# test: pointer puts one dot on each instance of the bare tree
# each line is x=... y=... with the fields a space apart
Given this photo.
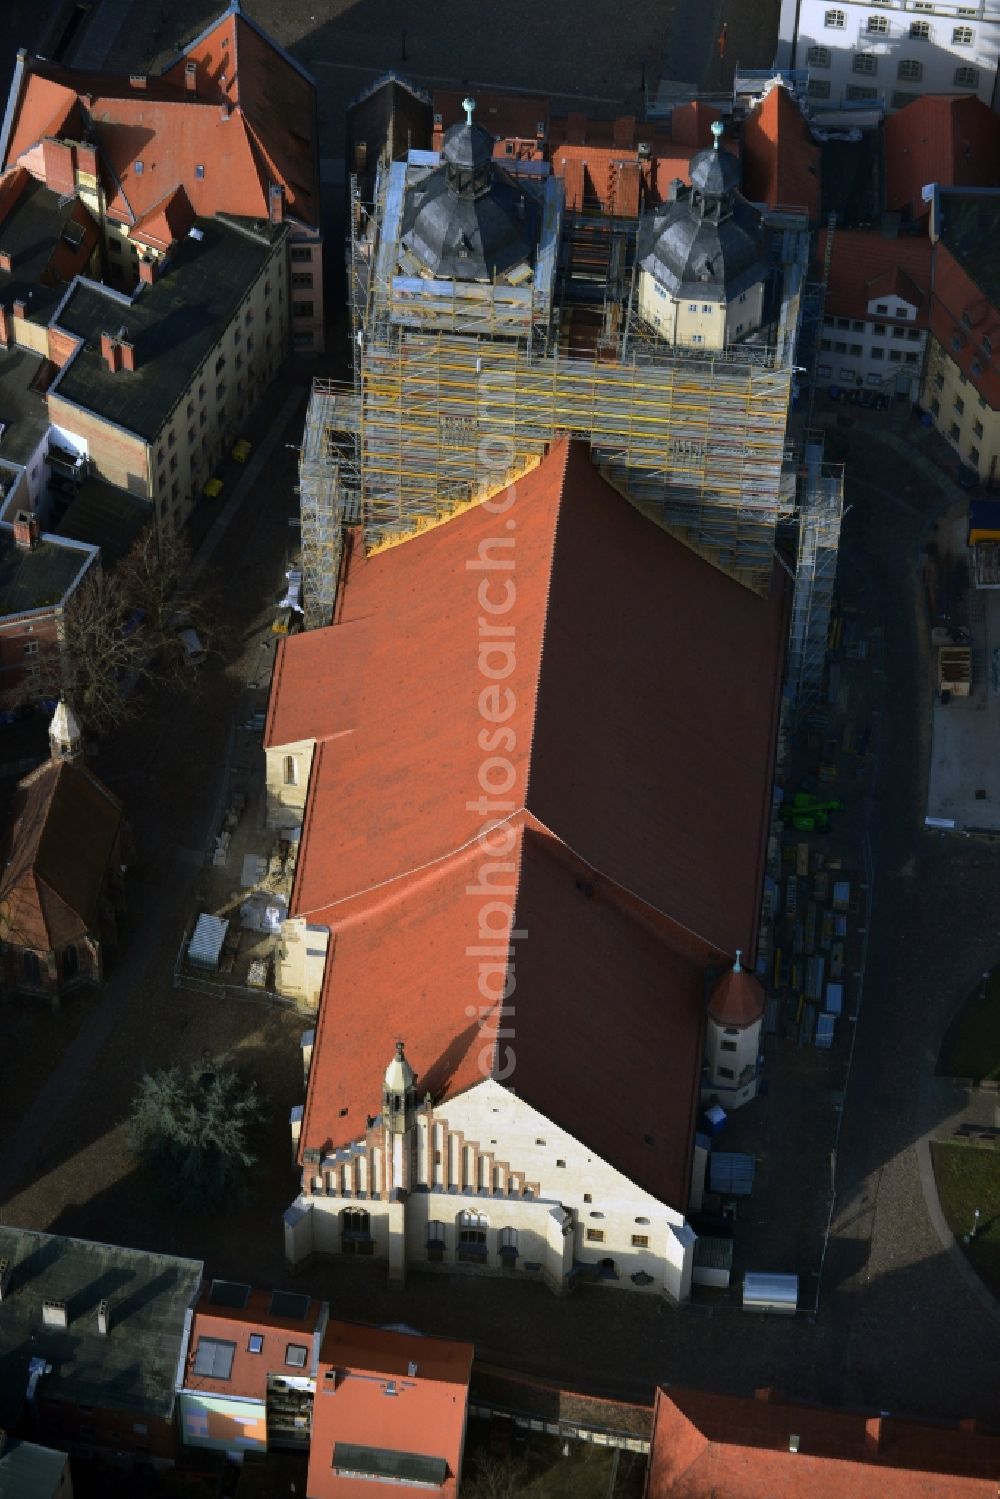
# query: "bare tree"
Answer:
x=120 y=636
x=495 y=1477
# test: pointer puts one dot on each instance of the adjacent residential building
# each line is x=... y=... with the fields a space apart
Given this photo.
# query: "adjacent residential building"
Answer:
x=736 y=1448
x=229 y=126
x=781 y=161
x=91 y=1337
x=62 y=889
x=962 y=381
x=877 y=311
x=390 y=1413
x=28 y=1471
x=627 y=773
x=39 y=574
x=951 y=141
x=249 y=1373
x=890 y=52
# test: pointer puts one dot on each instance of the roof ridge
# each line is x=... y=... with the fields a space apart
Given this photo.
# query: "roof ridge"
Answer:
x=550 y=570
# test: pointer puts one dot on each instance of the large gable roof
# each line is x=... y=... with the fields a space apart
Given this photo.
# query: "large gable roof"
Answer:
x=63 y=831
x=632 y=726
x=867 y=264
x=781 y=161
x=644 y=685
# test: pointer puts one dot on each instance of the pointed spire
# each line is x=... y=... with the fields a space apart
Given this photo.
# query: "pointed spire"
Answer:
x=468 y=105
x=717 y=129
x=65 y=735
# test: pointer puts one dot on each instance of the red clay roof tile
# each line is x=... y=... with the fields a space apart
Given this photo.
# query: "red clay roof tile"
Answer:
x=781 y=161
x=867 y=264
x=953 y=141
x=737 y=1448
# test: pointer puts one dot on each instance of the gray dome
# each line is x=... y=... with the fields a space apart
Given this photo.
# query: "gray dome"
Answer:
x=467 y=220
x=717 y=258
x=715 y=172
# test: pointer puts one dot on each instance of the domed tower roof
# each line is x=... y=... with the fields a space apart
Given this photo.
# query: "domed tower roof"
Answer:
x=714 y=172
x=467 y=220
x=709 y=242
x=399 y=1075
x=738 y=998
x=468 y=146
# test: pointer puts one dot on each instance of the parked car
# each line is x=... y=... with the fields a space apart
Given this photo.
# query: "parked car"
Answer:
x=287 y=622
x=191 y=644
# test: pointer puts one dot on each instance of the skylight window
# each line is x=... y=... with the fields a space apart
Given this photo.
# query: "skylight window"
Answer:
x=214 y=1358
x=256 y=1343
x=199 y=171
x=138 y=168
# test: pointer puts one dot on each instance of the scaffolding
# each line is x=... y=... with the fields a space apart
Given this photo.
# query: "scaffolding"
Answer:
x=460 y=387
x=821 y=505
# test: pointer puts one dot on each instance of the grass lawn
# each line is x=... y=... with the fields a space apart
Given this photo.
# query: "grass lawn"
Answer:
x=972 y=1046
x=968 y=1177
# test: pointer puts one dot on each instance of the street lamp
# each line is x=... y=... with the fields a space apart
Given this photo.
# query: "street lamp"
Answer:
x=975 y=1226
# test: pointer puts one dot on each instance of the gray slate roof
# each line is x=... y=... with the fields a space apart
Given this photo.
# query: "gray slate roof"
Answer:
x=172 y=324
x=467 y=220
x=134 y=1368
x=34 y=579
x=28 y=1471
x=708 y=243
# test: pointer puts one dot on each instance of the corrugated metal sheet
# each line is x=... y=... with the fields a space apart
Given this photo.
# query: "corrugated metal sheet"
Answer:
x=766 y=1292
x=731 y=1174
x=205 y=947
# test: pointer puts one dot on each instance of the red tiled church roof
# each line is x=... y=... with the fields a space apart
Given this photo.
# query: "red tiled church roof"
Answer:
x=951 y=140
x=737 y=1448
x=781 y=161
x=637 y=816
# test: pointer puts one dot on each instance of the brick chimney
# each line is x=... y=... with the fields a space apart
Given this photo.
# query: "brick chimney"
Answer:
x=111 y=352
x=26 y=531
x=6 y=261
x=57 y=163
x=147 y=270
x=137 y=80
x=191 y=77
x=5 y=329
x=276 y=203
x=128 y=354
x=20 y=308
x=873 y=1434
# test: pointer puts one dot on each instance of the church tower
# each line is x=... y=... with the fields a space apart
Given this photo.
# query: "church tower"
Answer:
x=65 y=737
x=732 y=1041
x=399 y=1117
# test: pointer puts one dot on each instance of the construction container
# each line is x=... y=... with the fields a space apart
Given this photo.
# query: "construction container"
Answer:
x=765 y=1292
x=955 y=670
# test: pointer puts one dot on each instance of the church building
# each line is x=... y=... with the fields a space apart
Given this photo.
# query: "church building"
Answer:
x=531 y=762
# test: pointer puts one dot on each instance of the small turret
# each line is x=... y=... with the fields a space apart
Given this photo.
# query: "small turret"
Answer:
x=399 y=1096
x=65 y=736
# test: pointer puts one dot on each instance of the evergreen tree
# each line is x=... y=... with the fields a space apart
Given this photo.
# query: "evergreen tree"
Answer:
x=195 y=1133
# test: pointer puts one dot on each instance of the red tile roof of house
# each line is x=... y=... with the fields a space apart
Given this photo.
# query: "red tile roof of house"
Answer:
x=252 y=122
x=425 y=1416
x=948 y=139
x=781 y=161
x=64 y=828
x=867 y=264
x=736 y=1448
x=637 y=821
x=276 y=1328
x=961 y=317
